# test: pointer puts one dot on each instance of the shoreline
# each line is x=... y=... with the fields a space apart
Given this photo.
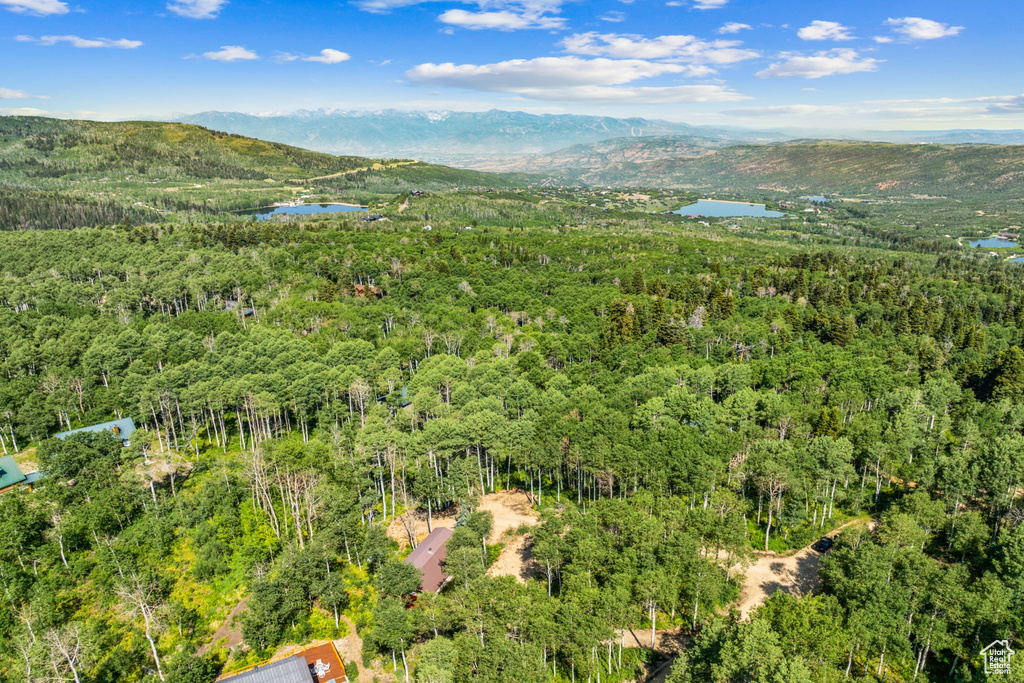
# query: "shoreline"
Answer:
x=286 y=205
x=726 y=201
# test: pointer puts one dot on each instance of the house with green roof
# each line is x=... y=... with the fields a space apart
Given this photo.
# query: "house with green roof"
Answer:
x=10 y=474
x=121 y=429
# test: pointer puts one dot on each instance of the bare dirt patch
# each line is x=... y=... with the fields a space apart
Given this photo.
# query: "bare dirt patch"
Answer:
x=351 y=648
x=511 y=510
x=230 y=632
x=796 y=574
x=516 y=559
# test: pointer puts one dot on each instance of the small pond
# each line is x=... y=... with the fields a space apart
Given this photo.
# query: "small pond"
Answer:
x=994 y=243
x=301 y=209
x=719 y=209
x=816 y=199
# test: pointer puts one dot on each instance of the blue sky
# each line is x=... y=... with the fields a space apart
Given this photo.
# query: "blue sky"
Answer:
x=838 y=65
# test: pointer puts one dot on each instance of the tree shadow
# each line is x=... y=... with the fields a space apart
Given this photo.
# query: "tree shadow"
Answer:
x=799 y=579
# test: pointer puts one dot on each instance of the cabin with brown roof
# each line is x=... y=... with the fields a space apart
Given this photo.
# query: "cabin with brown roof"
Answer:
x=428 y=557
x=362 y=290
x=317 y=663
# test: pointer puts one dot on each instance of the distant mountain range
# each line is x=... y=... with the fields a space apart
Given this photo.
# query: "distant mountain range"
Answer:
x=455 y=138
x=812 y=167
x=488 y=139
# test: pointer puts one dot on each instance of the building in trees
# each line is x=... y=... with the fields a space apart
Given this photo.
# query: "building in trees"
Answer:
x=10 y=474
x=121 y=429
x=318 y=663
x=428 y=557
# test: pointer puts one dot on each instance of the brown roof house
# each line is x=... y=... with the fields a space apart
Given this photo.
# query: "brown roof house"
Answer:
x=317 y=663
x=428 y=557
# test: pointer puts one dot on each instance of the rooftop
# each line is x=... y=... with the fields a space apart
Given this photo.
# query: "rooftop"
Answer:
x=317 y=663
x=10 y=473
x=429 y=558
x=122 y=428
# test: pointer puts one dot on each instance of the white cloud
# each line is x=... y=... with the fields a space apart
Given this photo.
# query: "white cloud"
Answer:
x=1009 y=105
x=502 y=20
x=882 y=39
x=638 y=95
x=76 y=41
x=709 y=4
x=385 y=6
x=329 y=56
x=11 y=94
x=678 y=48
x=197 y=9
x=37 y=7
x=825 y=30
x=939 y=109
x=787 y=110
x=231 y=53
x=734 y=27
x=613 y=16
x=507 y=15
x=828 y=63
x=916 y=28
x=570 y=79
x=545 y=72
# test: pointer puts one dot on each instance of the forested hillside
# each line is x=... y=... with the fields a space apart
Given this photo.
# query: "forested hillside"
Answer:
x=849 y=169
x=63 y=173
x=673 y=396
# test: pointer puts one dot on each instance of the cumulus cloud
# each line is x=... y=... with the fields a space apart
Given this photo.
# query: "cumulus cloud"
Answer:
x=230 y=53
x=77 y=41
x=37 y=7
x=197 y=9
x=825 y=30
x=502 y=20
x=11 y=94
x=502 y=15
x=677 y=48
x=734 y=27
x=329 y=56
x=819 y=64
x=916 y=28
x=570 y=79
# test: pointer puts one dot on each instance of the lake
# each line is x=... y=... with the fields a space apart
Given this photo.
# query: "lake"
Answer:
x=302 y=210
x=719 y=209
x=994 y=243
x=816 y=199
x=1017 y=259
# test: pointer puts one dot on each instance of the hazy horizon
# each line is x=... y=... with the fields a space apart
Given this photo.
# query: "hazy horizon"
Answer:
x=863 y=66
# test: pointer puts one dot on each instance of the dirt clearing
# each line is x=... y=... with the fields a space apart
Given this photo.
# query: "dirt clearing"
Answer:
x=516 y=560
x=511 y=509
x=229 y=635
x=796 y=574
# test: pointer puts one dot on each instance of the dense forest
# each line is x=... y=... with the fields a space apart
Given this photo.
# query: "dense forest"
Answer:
x=675 y=399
